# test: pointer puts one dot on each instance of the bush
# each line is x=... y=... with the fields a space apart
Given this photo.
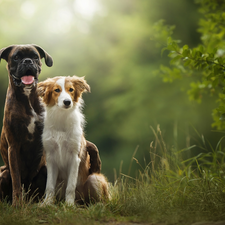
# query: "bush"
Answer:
x=205 y=62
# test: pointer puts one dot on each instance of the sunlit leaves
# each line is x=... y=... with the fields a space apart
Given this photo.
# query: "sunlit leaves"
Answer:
x=205 y=62
x=161 y=33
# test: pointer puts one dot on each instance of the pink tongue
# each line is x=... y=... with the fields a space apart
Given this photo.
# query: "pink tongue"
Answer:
x=27 y=79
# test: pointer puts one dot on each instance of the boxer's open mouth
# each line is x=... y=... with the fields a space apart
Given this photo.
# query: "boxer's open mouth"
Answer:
x=28 y=77
x=26 y=80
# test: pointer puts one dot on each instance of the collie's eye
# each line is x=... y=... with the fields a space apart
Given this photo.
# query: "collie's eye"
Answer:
x=57 y=90
x=71 y=90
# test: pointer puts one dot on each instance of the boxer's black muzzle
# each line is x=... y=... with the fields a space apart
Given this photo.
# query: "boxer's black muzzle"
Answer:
x=28 y=68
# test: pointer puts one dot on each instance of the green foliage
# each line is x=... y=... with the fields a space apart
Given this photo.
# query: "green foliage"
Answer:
x=205 y=63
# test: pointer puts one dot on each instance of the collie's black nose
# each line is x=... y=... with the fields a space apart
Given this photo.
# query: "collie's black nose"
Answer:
x=67 y=102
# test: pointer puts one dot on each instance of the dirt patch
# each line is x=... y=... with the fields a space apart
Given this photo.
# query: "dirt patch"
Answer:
x=210 y=223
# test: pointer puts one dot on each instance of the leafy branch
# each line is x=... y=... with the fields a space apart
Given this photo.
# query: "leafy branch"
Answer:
x=204 y=63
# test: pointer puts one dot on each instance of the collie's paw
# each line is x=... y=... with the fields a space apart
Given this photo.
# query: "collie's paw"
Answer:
x=46 y=202
x=70 y=202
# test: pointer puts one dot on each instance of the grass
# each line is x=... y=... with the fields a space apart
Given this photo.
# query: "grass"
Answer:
x=167 y=190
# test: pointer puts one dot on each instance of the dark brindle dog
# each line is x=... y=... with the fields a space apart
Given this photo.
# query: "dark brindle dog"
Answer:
x=21 y=145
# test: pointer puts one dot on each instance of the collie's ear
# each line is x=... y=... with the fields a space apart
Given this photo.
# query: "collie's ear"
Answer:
x=41 y=88
x=44 y=90
x=81 y=84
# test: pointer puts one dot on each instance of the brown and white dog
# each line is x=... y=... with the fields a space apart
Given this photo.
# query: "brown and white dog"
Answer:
x=68 y=162
x=21 y=146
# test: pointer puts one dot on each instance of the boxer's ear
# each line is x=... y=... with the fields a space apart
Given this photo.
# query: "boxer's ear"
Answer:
x=44 y=54
x=4 y=52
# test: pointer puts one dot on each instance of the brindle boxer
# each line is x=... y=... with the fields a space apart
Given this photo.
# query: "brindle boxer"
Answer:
x=21 y=145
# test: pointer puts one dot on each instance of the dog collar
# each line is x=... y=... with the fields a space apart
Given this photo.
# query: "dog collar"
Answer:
x=17 y=81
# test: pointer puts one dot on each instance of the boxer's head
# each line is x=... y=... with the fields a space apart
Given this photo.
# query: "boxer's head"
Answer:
x=24 y=63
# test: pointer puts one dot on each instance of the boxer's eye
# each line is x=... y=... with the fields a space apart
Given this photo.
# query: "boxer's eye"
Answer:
x=16 y=57
x=71 y=90
x=35 y=57
x=57 y=90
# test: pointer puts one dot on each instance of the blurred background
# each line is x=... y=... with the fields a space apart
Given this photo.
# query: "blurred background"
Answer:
x=114 y=45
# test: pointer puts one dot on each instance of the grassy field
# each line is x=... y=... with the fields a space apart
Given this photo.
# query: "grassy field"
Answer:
x=167 y=190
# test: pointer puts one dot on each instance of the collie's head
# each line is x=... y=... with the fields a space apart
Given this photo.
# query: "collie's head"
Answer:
x=63 y=92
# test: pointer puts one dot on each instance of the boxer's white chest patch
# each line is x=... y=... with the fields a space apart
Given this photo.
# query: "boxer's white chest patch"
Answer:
x=27 y=91
x=31 y=125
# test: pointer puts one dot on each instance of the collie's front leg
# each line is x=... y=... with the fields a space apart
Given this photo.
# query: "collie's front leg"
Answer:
x=52 y=174
x=73 y=168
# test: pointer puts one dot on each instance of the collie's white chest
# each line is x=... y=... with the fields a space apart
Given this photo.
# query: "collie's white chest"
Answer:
x=62 y=140
x=61 y=148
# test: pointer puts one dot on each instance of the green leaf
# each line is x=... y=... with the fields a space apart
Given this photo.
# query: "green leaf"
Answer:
x=198 y=54
x=162 y=51
x=187 y=61
x=201 y=48
x=185 y=47
x=217 y=70
x=175 y=46
x=215 y=83
x=220 y=60
x=175 y=59
x=186 y=52
x=214 y=51
x=222 y=117
x=211 y=75
x=169 y=40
